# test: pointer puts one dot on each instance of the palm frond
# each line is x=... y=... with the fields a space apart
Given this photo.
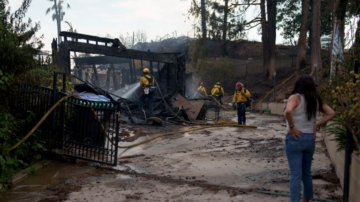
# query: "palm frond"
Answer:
x=54 y=17
x=338 y=129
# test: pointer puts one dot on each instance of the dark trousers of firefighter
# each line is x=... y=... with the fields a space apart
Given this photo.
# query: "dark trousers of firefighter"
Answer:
x=241 y=109
x=219 y=99
x=150 y=98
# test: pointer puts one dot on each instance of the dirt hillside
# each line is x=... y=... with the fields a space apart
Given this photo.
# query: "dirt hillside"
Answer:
x=258 y=84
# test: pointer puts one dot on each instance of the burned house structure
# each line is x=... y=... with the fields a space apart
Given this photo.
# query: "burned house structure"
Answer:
x=170 y=67
x=113 y=68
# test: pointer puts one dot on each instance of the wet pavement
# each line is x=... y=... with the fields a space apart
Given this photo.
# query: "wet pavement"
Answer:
x=214 y=164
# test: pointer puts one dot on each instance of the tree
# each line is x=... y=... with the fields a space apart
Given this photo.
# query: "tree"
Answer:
x=271 y=11
x=58 y=15
x=18 y=44
x=223 y=21
x=302 y=45
x=289 y=17
x=203 y=19
x=18 y=48
x=264 y=37
x=316 y=63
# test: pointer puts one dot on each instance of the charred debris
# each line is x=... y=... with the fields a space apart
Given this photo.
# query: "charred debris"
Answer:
x=108 y=68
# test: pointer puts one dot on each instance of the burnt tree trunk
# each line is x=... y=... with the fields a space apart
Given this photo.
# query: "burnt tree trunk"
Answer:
x=356 y=44
x=301 y=55
x=315 y=40
x=271 y=8
x=225 y=20
x=264 y=38
x=203 y=20
x=311 y=2
x=226 y=11
x=340 y=14
x=58 y=20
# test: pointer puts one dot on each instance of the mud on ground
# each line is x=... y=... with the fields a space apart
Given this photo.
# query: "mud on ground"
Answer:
x=214 y=164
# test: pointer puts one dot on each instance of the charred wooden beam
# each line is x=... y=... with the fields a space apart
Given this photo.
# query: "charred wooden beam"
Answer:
x=118 y=52
x=76 y=36
x=100 y=60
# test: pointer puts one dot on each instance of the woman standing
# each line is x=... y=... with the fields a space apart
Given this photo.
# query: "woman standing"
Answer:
x=301 y=126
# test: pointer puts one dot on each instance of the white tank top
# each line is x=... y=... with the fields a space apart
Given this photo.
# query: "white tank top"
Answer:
x=300 y=119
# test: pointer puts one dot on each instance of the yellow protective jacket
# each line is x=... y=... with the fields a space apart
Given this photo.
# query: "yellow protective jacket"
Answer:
x=217 y=90
x=147 y=80
x=201 y=89
x=241 y=95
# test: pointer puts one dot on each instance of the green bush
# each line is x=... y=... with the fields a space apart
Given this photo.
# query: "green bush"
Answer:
x=18 y=48
x=343 y=96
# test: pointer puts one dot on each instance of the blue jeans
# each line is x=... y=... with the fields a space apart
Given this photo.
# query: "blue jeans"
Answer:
x=299 y=153
x=241 y=111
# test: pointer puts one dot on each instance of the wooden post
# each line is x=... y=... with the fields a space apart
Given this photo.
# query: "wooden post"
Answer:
x=108 y=78
x=115 y=83
x=87 y=75
x=96 y=76
x=131 y=70
x=175 y=78
x=158 y=69
x=123 y=78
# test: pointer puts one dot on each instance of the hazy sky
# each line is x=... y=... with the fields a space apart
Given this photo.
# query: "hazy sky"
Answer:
x=102 y=17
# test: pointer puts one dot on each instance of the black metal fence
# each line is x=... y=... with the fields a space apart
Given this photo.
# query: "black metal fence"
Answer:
x=79 y=128
x=90 y=130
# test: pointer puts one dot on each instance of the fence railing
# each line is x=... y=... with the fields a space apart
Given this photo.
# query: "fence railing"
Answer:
x=81 y=129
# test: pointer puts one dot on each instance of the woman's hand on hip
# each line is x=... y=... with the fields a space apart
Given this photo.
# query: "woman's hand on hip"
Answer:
x=314 y=131
x=295 y=132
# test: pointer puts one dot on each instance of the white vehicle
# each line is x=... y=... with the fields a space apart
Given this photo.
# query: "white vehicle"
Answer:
x=325 y=42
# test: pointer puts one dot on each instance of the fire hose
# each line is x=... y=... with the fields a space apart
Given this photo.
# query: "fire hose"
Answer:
x=158 y=136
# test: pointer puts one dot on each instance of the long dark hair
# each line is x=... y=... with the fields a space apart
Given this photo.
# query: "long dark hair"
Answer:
x=305 y=85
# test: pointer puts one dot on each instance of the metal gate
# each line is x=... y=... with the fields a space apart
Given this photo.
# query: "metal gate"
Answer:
x=78 y=128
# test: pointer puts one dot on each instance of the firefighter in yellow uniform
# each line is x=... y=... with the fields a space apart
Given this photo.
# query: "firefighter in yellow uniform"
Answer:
x=201 y=90
x=218 y=92
x=148 y=88
x=240 y=98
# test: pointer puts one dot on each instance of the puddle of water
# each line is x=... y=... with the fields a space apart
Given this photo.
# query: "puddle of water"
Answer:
x=122 y=177
x=33 y=188
x=109 y=177
x=127 y=167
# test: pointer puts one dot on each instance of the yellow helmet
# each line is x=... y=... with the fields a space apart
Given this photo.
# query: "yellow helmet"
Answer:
x=146 y=70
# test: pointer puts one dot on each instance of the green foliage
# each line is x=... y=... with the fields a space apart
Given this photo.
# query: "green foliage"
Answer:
x=336 y=128
x=58 y=9
x=289 y=17
x=24 y=155
x=214 y=12
x=31 y=170
x=5 y=80
x=343 y=96
x=197 y=50
x=18 y=48
x=220 y=69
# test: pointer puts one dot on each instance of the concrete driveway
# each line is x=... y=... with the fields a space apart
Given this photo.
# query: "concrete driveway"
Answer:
x=214 y=164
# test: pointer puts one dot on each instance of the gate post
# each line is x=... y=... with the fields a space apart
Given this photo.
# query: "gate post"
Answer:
x=62 y=106
x=117 y=132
